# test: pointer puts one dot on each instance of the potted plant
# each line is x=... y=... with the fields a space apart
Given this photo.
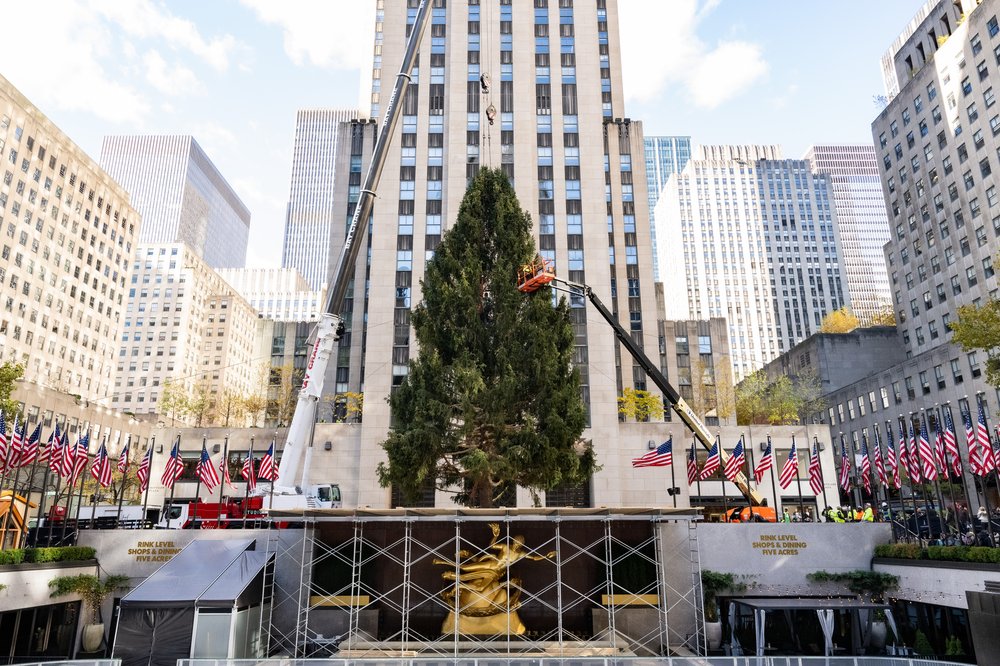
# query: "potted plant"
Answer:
x=712 y=583
x=869 y=586
x=93 y=591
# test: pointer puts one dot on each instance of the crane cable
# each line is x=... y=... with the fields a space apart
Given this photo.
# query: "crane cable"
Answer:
x=485 y=86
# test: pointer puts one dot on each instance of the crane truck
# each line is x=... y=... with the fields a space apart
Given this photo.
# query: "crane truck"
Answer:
x=287 y=493
x=540 y=272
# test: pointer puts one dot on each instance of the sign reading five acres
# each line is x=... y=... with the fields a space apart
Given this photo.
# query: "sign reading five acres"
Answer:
x=779 y=544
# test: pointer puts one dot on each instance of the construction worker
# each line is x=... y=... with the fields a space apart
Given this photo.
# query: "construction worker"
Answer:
x=868 y=515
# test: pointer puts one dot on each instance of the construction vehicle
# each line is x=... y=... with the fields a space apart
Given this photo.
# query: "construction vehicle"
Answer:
x=288 y=493
x=540 y=272
x=212 y=515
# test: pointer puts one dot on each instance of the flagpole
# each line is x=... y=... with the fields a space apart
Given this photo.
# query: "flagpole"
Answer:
x=246 y=489
x=986 y=496
x=173 y=484
x=41 y=501
x=937 y=476
x=881 y=463
x=27 y=495
x=946 y=472
x=962 y=478
x=725 y=497
x=698 y=475
x=30 y=481
x=83 y=475
x=914 y=484
x=798 y=480
x=121 y=490
x=150 y=442
x=819 y=464
x=749 y=459
x=904 y=437
x=920 y=460
x=93 y=501
x=774 y=487
x=9 y=479
x=197 y=485
x=225 y=463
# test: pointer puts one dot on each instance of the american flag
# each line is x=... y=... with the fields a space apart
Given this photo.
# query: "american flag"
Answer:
x=16 y=442
x=734 y=466
x=123 y=456
x=267 y=470
x=101 y=467
x=765 y=463
x=206 y=470
x=143 y=472
x=986 y=459
x=174 y=468
x=939 y=455
x=80 y=457
x=56 y=452
x=879 y=467
x=815 y=473
x=890 y=454
x=975 y=464
x=66 y=469
x=692 y=467
x=4 y=442
x=247 y=472
x=913 y=460
x=224 y=469
x=845 y=467
x=712 y=463
x=790 y=469
x=661 y=456
x=929 y=471
x=29 y=452
x=866 y=465
x=951 y=445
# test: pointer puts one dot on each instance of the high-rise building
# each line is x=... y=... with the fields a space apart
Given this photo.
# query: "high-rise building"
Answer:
x=276 y=293
x=553 y=74
x=749 y=236
x=181 y=196
x=665 y=156
x=861 y=223
x=69 y=234
x=311 y=218
x=185 y=326
x=937 y=146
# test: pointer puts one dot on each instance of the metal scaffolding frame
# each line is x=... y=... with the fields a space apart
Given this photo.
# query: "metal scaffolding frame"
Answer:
x=368 y=583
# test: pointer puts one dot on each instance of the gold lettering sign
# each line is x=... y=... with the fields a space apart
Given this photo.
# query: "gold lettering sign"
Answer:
x=153 y=551
x=779 y=544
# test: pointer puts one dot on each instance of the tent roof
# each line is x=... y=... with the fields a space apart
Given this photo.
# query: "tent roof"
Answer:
x=236 y=583
x=192 y=573
x=778 y=603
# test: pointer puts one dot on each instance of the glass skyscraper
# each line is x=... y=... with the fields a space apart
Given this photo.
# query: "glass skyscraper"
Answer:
x=665 y=156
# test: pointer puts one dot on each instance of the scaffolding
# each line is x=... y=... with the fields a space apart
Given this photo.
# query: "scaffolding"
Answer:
x=373 y=583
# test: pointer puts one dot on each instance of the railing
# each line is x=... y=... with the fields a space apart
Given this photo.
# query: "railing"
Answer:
x=579 y=661
x=75 y=662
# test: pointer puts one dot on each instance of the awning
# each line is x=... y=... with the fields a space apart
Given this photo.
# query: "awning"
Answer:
x=239 y=585
x=805 y=603
x=211 y=569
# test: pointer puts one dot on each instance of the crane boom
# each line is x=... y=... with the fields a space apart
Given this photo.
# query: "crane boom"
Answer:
x=675 y=399
x=331 y=325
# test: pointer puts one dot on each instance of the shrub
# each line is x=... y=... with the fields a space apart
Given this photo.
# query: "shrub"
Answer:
x=59 y=554
x=12 y=556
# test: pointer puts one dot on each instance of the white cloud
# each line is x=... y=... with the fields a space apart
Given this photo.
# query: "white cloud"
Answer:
x=661 y=50
x=321 y=32
x=167 y=78
x=70 y=73
x=144 y=20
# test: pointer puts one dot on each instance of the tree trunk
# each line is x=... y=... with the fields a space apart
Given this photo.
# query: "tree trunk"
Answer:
x=482 y=493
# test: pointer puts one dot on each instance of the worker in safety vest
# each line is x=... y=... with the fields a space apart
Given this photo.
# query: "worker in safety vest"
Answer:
x=868 y=515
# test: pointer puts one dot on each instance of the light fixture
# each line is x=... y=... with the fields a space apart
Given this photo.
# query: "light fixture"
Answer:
x=216 y=448
x=651 y=444
x=328 y=446
x=159 y=448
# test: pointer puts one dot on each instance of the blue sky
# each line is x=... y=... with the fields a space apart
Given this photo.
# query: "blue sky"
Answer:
x=233 y=72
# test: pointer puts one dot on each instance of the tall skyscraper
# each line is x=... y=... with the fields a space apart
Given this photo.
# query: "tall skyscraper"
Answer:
x=665 y=156
x=310 y=219
x=65 y=257
x=861 y=223
x=184 y=325
x=552 y=118
x=276 y=293
x=181 y=196
x=752 y=238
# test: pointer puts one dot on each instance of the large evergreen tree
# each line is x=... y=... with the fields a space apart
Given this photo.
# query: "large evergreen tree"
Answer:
x=492 y=398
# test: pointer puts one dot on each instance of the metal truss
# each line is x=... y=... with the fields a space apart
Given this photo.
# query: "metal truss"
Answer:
x=370 y=583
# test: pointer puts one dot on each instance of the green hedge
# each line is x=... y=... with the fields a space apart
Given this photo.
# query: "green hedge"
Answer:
x=911 y=551
x=37 y=555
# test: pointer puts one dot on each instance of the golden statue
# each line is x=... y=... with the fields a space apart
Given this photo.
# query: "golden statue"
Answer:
x=482 y=600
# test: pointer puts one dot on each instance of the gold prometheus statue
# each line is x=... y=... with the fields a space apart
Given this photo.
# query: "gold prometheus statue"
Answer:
x=483 y=600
